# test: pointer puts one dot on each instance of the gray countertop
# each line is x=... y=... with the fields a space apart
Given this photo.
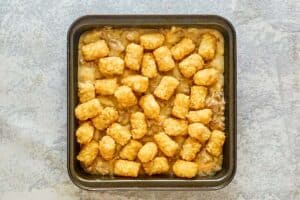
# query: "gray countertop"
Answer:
x=33 y=80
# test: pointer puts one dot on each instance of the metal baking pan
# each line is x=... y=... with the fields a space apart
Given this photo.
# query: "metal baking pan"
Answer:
x=220 y=179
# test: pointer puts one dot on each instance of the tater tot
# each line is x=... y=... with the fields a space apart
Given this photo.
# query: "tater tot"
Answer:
x=190 y=149
x=164 y=59
x=85 y=133
x=215 y=143
x=203 y=116
x=91 y=36
x=138 y=83
x=138 y=125
x=198 y=97
x=175 y=127
x=149 y=66
x=183 y=48
x=86 y=74
x=147 y=152
x=86 y=91
x=150 y=106
x=107 y=147
x=110 y=66
x=106 y=86
x=88 y=109
x=130 y=150
x=100 y=167
x=168 y=146
x=185 y=169
x=107 y=116
x=158 y=165
x=199 y=131
x=95 y=50
x=119 y=133
x=126 y=168
x=166 y=87
x=134 y=55
x=88 y=153
x=125 y=96
x=181 y=106
x=132 y=35
x=190 y=65
x=152 y=40
x=107 y=101
x=174 y=35
x=207 y=47
x=206 y=77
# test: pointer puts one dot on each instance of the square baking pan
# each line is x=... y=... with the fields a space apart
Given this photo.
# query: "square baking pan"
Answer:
x=166 y=182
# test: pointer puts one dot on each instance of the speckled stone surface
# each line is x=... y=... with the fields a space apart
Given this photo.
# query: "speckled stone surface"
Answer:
x=33 y=74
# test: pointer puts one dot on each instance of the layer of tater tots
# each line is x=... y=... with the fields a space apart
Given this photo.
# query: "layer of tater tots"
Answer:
x=150 y=103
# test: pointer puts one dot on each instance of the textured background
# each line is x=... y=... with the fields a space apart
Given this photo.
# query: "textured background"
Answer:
x=33 y=96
